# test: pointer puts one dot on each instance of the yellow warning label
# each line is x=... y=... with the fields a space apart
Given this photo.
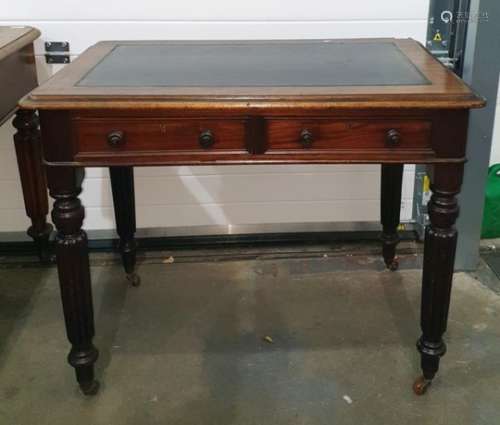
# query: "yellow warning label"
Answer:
x=427 y=184
x=438 y=37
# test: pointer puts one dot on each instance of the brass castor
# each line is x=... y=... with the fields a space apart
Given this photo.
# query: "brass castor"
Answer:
x=393 y=265
x=134 y=279
x=90 y=388
x=421 y=385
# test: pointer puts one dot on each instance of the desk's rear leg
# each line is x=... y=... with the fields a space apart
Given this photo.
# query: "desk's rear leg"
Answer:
x=122 y=185
x=439 y=260
x=390 y=207
x=74 y=272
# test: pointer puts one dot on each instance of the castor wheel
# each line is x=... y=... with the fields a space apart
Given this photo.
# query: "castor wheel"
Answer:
x=89 y=388
x=134 y=279
x=421 y=385
x=393 y=265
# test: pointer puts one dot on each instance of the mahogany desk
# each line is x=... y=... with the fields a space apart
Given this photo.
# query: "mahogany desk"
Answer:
x=126 y=104
x=18 y=77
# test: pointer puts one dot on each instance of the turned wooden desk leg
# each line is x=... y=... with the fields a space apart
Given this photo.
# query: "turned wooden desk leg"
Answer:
x=74 y=272
x=33 y=179
x=390 y=207
x=439 y=260
x=122 y=185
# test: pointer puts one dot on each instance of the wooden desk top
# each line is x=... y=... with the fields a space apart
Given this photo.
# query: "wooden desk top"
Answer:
x=363 y=73
x=15 y=38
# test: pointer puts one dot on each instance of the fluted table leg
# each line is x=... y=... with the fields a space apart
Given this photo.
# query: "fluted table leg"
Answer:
x=439 y=260
x=74 y=272
x=33 y=179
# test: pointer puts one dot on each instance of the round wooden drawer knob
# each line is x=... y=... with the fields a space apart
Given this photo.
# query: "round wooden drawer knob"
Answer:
x=206 y=139
x=393 y=138
x=116 y=138
x=306 y=138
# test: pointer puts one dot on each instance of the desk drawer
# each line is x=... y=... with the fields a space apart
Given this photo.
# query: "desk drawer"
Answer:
x=120 y=135
x=330 y=134
x=243 y=139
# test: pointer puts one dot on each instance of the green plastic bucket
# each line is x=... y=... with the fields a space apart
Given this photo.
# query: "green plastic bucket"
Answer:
x=491 y=216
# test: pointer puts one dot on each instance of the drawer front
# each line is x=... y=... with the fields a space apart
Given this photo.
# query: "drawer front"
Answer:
x=330 y=135
x=107 y=135
x=249 y=139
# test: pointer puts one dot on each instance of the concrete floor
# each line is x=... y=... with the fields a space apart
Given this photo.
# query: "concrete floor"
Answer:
x=188 y=347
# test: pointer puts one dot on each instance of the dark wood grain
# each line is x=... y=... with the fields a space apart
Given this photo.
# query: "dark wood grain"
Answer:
x=159 y=137
x=122 y=185
x=153 y=135
x=256 y=135
x=336 y=133
x=439 y=259
x=65 y=184
x=33 y=179
x=18 y=77
x=390 y=208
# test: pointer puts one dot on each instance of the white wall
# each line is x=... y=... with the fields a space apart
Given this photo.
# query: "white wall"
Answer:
x=495 y=146
x=186 y=196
